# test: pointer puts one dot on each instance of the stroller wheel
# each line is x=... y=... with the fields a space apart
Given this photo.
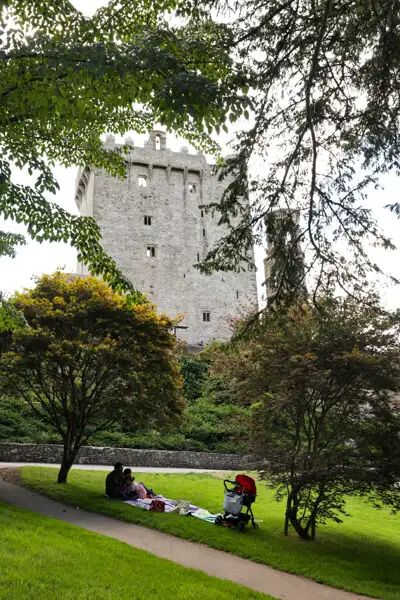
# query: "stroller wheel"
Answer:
x=255 y=525
x=240 y=526
x=219 y=520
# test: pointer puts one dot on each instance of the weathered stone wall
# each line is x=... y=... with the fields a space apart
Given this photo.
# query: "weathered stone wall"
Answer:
x=177 y=184
x=92 y=455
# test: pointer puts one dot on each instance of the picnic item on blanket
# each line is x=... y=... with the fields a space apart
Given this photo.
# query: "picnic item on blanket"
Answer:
x=183 y=507
x=170 y=505
x=141 y=503
x=157 y=506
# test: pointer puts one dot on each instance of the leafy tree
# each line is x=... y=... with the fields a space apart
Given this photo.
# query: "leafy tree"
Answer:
x=326 y=421
x=213 y=419
x=323 y=78
x=8 y=241
x=88 y=360
x=66 y=79
x=10 y=317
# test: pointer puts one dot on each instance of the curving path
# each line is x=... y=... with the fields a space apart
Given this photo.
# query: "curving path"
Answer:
x=188 y=554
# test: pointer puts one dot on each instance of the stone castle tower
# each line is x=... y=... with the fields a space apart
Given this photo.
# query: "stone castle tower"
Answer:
x=153 y=227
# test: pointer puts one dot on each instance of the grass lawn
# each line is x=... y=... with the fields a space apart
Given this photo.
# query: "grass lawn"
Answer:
x=43 y=559
x=362 y=555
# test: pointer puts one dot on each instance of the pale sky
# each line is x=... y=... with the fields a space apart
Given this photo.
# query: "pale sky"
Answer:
x=35 y=259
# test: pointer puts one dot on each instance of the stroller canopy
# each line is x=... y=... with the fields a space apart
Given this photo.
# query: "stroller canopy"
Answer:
x=247 y=484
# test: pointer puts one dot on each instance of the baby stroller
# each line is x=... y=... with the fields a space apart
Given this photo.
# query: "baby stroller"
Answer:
x=238 y=494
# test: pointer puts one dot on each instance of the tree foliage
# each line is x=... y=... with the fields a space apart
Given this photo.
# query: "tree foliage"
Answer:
x=88 y=360
x=212 y=421
x=18 y=424
x=217 y=426
x=194 y=371
x=323 y=385
x=10 y=317
x=323 y=78
x=213 y=418
x=66 y=79
x=8 y=241
x=205 y=426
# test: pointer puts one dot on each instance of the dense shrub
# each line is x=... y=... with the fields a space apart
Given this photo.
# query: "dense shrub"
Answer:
x=148 y=440
x=18 y=425
x=211 y=422
x=206 y=427
x=194 y=370
x=220 y=427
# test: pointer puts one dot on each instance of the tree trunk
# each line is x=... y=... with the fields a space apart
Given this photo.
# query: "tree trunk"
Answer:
x=63 y=472
x=313 y=528
x=66 y=464
x=291 y=515
x=286 y=527
x=298 y=527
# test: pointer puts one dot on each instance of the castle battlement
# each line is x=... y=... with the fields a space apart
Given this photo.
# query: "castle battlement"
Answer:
x=156 y=149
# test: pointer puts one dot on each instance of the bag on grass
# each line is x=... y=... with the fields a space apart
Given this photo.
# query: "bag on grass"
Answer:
x=157 y=506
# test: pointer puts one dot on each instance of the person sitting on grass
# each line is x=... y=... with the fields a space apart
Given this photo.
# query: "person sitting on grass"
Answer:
x=132 y=490
x=115 y=482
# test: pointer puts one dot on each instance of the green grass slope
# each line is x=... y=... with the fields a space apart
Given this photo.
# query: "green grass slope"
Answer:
x=362 y=555
x=43 y=559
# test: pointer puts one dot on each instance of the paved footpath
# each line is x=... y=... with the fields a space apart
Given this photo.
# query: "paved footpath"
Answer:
x=188 y=554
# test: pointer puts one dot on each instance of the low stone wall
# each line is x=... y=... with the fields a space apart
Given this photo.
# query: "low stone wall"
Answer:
x=93 y=455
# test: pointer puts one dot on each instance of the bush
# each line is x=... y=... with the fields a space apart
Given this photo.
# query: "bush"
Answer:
x=211 y=422
x=18 y=425
x=194 y=370
x=148 y=440
x=220 y=427
x=206 y=427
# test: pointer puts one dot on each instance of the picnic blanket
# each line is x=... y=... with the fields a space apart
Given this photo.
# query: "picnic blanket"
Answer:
x=182 y=506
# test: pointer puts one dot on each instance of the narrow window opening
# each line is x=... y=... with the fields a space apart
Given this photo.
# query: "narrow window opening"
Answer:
x=198 y=257
x=158 y=143
x=202 y=213
x=151 y=251
x=206 y=317
x=237 y=293
x=192 y=188
x=204 y=233
x=184 y=276
x=147 y=220
x=142 y=181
